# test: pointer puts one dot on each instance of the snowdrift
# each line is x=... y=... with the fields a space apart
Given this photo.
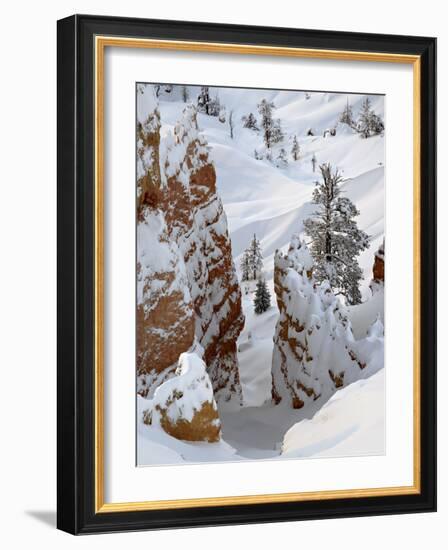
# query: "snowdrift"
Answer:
x=351 y=423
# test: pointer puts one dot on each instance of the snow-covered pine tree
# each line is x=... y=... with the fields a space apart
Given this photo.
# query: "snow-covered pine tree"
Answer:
x=204 y=100
x=262 y=301
x=255 y=258
x=314 y=162
x=369 y=123
x=215 y=108
x=277 y=131
x=376 y=124
x=245 y=266
x=295 y=149
x=250 y=122
x=282 y=159
x=266 y=108
x=346 y=117
x=336 y=240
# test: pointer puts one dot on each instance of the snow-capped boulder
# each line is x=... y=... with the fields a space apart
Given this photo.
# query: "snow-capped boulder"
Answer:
x=315 y=352
x=177 y=183
x=184 y=406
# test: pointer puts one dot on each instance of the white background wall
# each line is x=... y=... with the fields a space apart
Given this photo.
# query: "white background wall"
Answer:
x=28 y=271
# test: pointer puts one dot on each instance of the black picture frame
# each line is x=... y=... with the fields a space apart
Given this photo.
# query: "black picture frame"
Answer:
x=76 y=301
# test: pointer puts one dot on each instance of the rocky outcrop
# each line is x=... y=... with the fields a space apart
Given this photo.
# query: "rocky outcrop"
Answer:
x=178 y=182
x=165 y=322
x=315 y=352
x=184 y=406
x=377 y=281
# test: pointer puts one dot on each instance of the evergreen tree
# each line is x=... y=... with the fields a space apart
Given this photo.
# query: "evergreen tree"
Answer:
x=346 y=116
x=282 y=159
x=204 y=100
x=336 y=240
x=369 y=123
x=252 y=261
x=245 y=266
x=277 y=131
x=250 y=122
x=376 y=124
x=262 y=301
x=255 y=258
x=266 y=108
x=215 y=108
x=295 y=149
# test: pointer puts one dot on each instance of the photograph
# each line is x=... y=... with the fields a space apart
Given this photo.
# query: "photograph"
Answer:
x=260 y=280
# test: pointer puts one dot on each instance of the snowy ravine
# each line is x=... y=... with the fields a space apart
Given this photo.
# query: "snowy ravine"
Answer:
x=271 y=202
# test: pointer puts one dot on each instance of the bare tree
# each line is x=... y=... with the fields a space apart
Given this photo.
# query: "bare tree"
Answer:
x=231 y=124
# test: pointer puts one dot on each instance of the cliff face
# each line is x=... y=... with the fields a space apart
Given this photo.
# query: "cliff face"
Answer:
x=165 y=316
x=196 y=292
x=315 y=352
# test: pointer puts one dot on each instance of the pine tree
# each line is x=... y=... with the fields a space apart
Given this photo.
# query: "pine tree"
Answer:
x=295 y=149
x=250 y=122
x=282 y=159
x=266 y=108
x=215 y=108
x=336 y=240
x=376 y=124
x=346 y=116
x=277 y=131
x=204 y=100
x=369 y=123
x=262 y=301
x=245 y=266
x=255 y=258
x=364 y=123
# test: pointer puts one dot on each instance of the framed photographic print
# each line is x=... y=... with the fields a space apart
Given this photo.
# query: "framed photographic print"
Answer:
x=246 y=274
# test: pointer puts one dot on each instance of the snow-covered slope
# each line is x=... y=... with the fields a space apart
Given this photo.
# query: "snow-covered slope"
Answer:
x=350 y=423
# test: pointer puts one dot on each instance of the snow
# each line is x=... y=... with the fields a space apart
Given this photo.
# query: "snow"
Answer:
x=351 y=423
x=158 y=255
x=273 y=202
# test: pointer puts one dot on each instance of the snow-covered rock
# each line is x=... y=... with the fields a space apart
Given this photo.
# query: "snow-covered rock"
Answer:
x=315 y=352
x=184 y=406
x=165 y=315
x=377 y=282
x=177 y=186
